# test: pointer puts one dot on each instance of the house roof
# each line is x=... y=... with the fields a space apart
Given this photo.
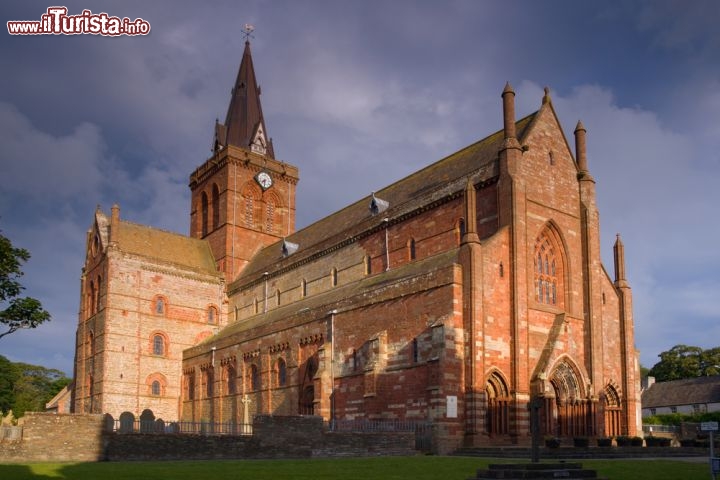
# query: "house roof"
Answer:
x=687 y=391
x=440 y=179
x=166 y=247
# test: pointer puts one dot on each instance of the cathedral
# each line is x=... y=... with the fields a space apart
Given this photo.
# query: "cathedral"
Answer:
x=456 y=296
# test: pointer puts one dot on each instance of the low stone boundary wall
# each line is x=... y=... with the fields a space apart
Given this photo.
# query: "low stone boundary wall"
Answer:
x=82 y=438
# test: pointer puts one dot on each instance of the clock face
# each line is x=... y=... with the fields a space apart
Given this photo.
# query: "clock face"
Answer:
x=264 y=180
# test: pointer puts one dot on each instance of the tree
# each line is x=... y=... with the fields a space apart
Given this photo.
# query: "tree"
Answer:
x=25 y=387
x=17 y=312
x=683 y=361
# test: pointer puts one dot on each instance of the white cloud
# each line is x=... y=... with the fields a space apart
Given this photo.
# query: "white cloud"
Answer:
x=38 y=165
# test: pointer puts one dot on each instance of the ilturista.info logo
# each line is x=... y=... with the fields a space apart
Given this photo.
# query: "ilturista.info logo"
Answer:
x=56 y=21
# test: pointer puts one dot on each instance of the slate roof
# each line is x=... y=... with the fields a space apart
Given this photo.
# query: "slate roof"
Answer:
x=687 y=391
x=337 y=297
x=245 y=111
x=166 y=247
x=444 y=177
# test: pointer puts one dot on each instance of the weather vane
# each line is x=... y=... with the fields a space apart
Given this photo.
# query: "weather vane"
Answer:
x=247 y=31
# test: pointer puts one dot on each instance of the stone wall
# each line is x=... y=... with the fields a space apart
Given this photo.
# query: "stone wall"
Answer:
x=56 y=437
x=80 y=438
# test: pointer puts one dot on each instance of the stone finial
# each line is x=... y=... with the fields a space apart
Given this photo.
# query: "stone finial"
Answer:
x=508 y=96
x=114 y=222
x=546 y=97
x=581 y=148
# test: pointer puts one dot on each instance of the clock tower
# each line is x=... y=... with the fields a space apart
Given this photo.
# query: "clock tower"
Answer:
x=242 y=198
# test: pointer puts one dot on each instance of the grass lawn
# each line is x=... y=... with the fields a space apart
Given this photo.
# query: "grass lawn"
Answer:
x=416 y=468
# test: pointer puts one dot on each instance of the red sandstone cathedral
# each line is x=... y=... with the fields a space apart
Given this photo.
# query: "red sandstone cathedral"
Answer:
x=454 y=296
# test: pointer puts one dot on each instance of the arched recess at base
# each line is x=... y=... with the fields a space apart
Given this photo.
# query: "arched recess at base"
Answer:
x=497 y=421
x=612 y=411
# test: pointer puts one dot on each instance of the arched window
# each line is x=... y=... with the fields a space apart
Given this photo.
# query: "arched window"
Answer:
x=281 y=373
x=368 y=265
x=204 y=210
x=548 y=279
x=91 y=300
x=461 y=229
x=208 y=380
x=277 y=297
x=256 y=305
x=159 y=306
x=190 y=385
x=230 y=379
x=215 y=207
x=254 y=377
x=158 y=345
x=212 y=315
x=303 y=288
x=155 y=388
x=334 y=277
x=411 y=249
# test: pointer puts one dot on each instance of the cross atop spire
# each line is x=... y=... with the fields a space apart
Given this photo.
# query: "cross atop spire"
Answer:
x=244 y=123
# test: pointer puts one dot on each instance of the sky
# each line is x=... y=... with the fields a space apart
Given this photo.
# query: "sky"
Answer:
x=359 y=94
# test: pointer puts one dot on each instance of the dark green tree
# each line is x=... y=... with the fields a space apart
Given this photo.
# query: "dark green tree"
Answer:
x=16 y=312
x=35 y=386
x=25 y=387
x=683 y=361
x=8 y=376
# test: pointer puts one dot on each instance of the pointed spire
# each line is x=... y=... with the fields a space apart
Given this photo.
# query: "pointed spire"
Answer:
x=619 y=253
x=508 y=97
x=470 y=235
x=244 y=123
x=114 y=222
x=580 y=148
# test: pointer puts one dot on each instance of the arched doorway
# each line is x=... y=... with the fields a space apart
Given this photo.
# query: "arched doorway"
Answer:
x=498 y=405
x=568 y=413
x=307 y=388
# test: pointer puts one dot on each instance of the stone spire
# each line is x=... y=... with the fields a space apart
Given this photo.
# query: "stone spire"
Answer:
x=619 y=251
x=508 y=96
x=244 y=123
x=470 y=235
x=581 y=151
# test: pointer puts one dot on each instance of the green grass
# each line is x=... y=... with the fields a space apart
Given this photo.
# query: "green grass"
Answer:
x=416 y=468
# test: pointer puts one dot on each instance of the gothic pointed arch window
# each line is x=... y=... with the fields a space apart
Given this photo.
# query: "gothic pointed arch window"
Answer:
x=548 y=271
x=215 y=207
x=412 y=253
x=204 y=212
